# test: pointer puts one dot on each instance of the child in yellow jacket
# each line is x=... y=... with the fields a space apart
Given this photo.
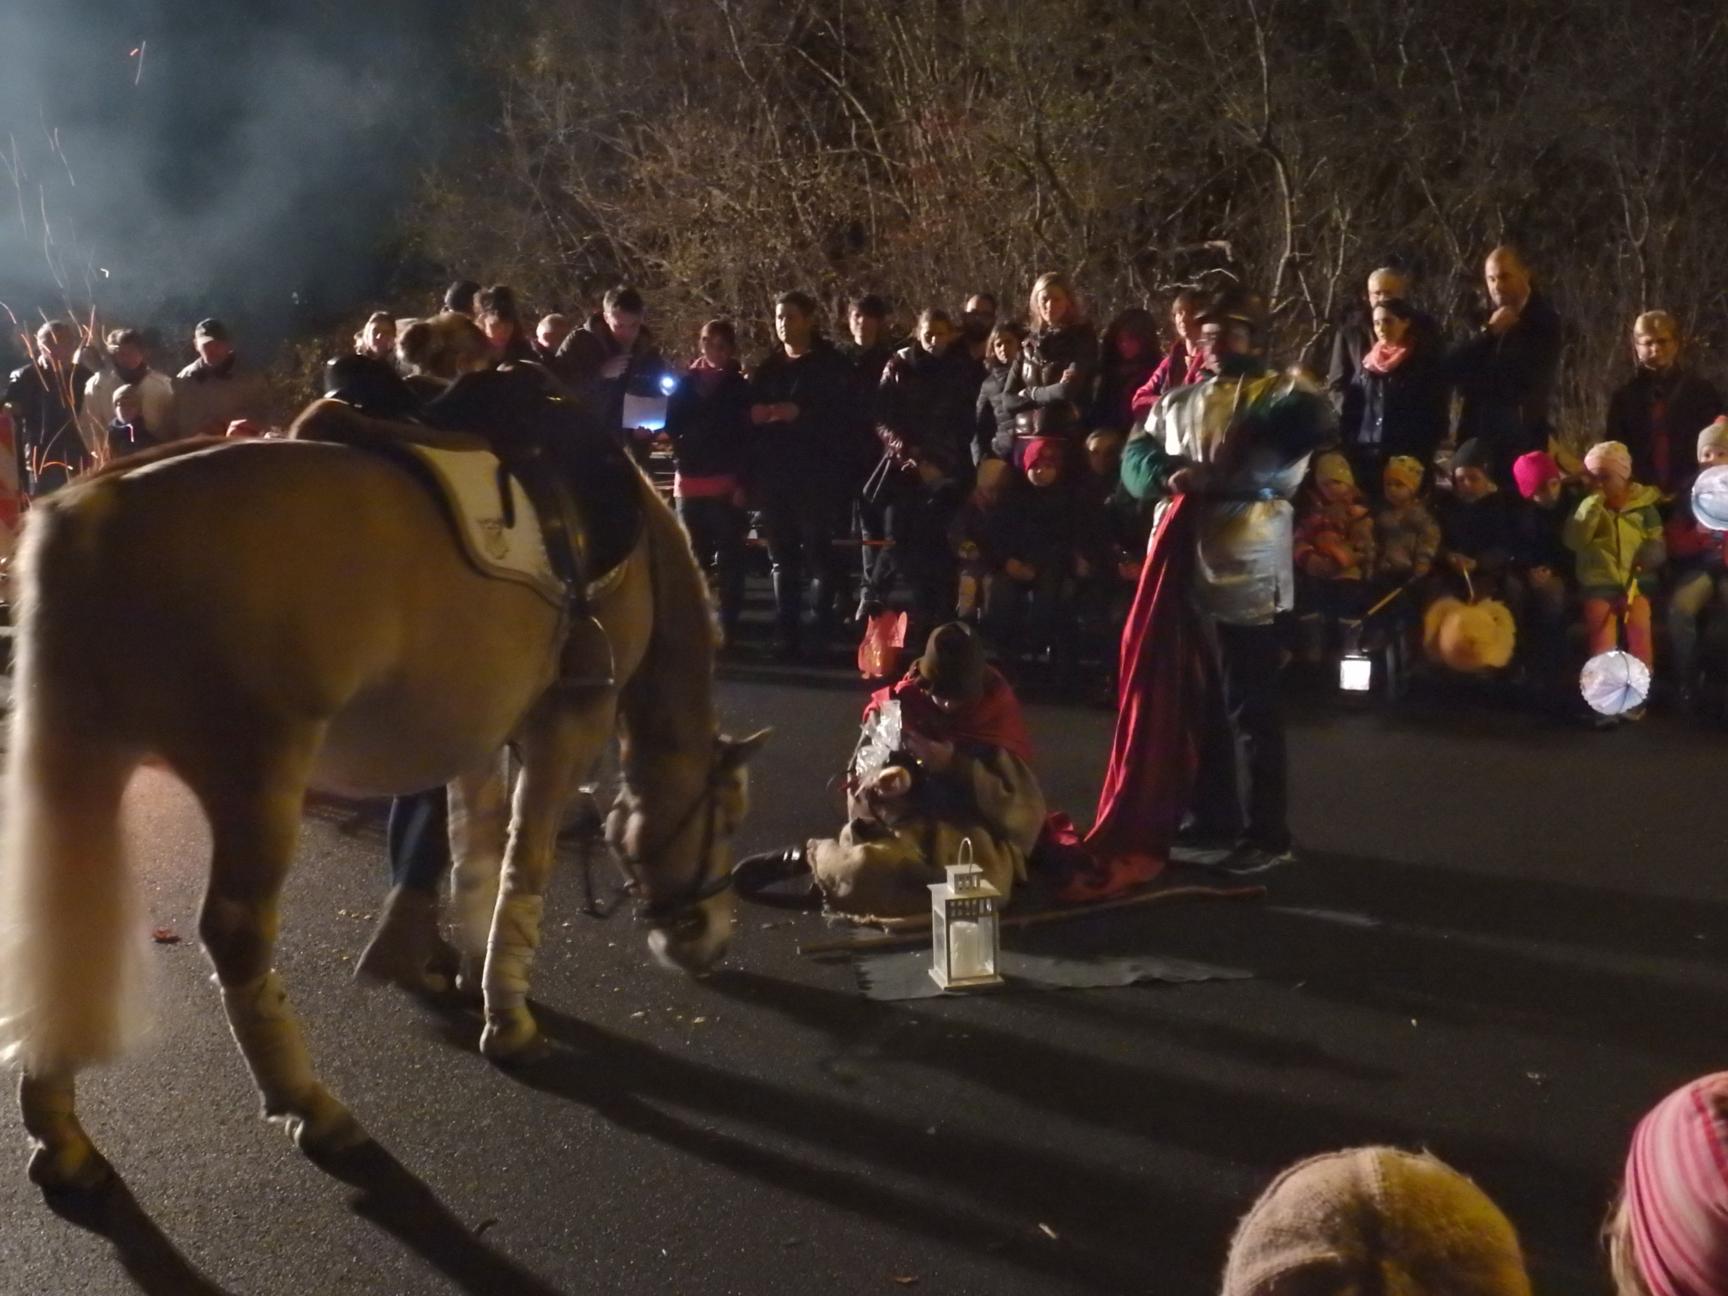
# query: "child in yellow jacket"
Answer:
x=1616 y=533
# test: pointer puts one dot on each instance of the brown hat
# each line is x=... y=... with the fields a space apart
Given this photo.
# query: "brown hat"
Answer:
x=1375 y=1219
x=953 y=662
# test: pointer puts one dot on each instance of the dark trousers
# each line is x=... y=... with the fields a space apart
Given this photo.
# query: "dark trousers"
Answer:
x=717 y=527
x=1244 y=776
x=799 y=518
x=418 y=840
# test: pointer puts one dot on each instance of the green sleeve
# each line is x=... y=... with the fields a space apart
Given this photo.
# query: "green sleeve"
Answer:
x=1146 y=466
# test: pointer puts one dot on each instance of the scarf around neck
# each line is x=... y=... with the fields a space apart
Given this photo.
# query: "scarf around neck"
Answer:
x=1383 y=357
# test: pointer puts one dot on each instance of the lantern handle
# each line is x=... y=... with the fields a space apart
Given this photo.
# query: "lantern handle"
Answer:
x=966 y=851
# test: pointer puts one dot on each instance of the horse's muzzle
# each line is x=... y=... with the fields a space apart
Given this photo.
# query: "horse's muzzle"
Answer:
x=697 y=938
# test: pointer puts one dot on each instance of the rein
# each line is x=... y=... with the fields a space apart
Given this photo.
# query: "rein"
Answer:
x=678 y=910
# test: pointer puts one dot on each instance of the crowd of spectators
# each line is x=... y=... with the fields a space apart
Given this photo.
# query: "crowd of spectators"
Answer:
x=970 y=466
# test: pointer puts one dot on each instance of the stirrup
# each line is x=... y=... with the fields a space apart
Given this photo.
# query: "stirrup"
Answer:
x=586 y=642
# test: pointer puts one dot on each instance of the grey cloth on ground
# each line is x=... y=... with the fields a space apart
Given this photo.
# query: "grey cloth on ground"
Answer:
x=905 y=974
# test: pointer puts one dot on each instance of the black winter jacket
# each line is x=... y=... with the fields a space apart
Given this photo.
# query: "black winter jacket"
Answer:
x=924 y=406
x=708 y=423
x=810 y=452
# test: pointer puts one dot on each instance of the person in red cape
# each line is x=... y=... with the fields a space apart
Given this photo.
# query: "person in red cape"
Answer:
x=961 y=771
x=1199 y=734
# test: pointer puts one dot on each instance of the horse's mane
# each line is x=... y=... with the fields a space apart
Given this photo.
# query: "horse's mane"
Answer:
x=673 y=689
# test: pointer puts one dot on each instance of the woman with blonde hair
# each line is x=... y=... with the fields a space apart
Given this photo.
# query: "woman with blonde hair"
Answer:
x=1050 y=385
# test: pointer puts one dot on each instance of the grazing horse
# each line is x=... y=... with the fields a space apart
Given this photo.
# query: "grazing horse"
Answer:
x=270 y=617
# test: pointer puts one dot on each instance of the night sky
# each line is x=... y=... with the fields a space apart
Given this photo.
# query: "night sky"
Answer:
x=254 y=168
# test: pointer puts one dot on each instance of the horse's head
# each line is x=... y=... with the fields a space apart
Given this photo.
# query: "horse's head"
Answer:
x=681 y=856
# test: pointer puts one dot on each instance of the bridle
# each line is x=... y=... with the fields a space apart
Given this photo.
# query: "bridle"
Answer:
x=680 y=914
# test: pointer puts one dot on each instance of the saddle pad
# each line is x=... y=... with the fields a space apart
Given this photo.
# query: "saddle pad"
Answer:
x=502 y=542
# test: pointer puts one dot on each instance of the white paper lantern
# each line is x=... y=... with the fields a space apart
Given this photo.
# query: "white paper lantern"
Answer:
x=1710 y=498
x=1614 y=683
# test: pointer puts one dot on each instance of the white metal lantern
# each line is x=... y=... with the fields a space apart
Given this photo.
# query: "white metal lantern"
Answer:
x=1355 y=665
x=1356 y=672
x=964 y=932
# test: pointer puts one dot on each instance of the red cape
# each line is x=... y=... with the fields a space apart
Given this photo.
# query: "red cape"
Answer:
x=1162 y=688
x=994 y=720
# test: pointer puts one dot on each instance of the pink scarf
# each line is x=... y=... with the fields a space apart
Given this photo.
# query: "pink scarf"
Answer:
x=1383 y=357
x=1677 y=1191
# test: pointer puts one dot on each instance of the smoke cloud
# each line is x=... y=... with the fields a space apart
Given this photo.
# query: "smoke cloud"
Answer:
x=164 y=160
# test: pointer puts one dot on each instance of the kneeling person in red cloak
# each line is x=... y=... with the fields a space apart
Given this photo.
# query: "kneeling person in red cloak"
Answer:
x=961 y=770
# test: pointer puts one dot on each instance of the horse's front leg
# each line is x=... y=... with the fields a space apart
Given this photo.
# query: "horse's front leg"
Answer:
x=479 y=825
x=558 y=748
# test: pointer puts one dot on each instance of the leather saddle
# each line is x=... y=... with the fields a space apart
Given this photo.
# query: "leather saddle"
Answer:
x=585 y=492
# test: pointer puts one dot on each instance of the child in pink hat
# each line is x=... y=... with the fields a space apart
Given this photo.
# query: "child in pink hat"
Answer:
x=1668 y=1234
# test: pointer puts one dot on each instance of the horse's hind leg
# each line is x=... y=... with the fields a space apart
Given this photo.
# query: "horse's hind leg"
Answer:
x=556 y=751
x=254 y=814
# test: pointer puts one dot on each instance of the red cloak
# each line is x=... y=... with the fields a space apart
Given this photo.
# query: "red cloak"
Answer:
x=994 y=720
x=1162 y=689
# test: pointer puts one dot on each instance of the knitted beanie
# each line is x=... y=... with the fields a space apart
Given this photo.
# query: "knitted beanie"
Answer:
x=1406 y=469
x=1045 y=450
x=1334 y=467
x=1375 y=1219
x=1473 y=453
x=1609 y=459
x=1533 y=471
x=1714 y=437
x=1677 y=1191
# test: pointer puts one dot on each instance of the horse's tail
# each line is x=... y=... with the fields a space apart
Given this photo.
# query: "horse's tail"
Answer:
x=70 y=948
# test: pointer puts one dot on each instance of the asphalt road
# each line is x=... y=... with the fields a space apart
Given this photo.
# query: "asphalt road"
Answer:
x=1506 y=942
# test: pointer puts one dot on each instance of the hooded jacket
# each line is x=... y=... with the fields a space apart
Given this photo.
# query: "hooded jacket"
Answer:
x=1611 y=542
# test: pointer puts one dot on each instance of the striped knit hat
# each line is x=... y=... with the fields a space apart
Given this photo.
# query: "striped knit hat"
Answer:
x=1375 y=1219
x=1677 y=1191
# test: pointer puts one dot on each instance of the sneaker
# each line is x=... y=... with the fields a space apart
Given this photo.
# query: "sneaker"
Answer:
x=1248 y=859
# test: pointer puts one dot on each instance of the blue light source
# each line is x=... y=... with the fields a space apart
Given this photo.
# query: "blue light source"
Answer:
x=668 y=384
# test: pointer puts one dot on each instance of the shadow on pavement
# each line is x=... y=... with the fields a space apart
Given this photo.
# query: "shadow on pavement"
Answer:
x=1548 y=958
x=966 y=1188
x=1555 y=1204
x=150 y=1260
x=402 y=1205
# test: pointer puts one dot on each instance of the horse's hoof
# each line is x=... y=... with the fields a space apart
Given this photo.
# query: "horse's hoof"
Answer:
x=407 y=950
x=513 y=1043
x=468 y=978
x=324 y=1128
x=75 y=1168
